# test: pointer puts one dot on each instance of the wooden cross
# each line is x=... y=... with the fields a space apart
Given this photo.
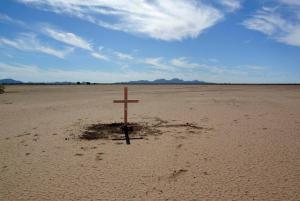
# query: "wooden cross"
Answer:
x=126 y=101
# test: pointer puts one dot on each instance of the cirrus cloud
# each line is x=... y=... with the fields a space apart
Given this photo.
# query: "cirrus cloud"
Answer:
x=164 y=20
x=183 y=63
x=29 y=42
x=75 y=41
x=68 y=38
x=272 y=22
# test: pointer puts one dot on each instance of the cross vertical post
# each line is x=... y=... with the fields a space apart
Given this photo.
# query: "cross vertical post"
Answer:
x=126 y=101
x=125 y=105
x=125 y=115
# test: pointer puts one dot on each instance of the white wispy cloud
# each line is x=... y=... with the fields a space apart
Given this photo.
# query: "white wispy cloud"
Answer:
x=68 y=38
x=165 y=20
x=7 y=19
x=254 y=67
x=183 y=63
x=123 y=56
x=276 y=25
x=232 y=5
x=157 y=63
x=59 y=35
x=291 y=2
x=180 y=64
x=292 y=38
x=29 y=42
x=100 y=56
x=266 y=22
x=75 y=41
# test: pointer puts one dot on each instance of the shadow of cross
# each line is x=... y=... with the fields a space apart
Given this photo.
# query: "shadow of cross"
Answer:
x=126 y=101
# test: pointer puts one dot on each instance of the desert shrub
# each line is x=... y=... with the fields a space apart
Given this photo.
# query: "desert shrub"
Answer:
x=1 y=89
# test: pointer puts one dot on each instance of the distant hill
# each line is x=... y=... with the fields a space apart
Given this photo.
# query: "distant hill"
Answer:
x=164 y=81
x=10 y=81
x=157 y=81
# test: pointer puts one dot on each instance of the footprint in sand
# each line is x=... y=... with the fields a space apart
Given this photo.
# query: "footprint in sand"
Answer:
x=193 y=132
x=21 y=135
x=247 y=116
x=177 y=173
x=84 y=148
x=98 y=156
x=180 y=137
x=205 y=173
x=78 y=154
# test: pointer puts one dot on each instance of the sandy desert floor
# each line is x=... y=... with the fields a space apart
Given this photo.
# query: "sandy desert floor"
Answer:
x=245 y=143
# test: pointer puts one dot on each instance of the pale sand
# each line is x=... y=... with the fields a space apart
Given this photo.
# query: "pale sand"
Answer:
x=248 y=149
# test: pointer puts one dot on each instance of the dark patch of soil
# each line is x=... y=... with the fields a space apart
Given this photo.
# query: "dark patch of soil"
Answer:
x=135 y=130
x=116 y=130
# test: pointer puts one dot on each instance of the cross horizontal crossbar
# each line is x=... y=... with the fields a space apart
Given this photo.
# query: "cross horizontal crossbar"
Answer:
x=126 y=101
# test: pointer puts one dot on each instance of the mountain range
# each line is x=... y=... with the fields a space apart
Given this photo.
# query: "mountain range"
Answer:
x=10 y=81
x=157 y=81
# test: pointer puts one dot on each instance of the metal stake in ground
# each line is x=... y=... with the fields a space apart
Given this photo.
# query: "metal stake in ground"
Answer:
x=126 y=101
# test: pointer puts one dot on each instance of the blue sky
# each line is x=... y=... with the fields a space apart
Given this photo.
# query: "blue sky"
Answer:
x=248 y=41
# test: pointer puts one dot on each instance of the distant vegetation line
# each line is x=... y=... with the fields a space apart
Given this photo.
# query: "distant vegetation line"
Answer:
x=2 y=89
